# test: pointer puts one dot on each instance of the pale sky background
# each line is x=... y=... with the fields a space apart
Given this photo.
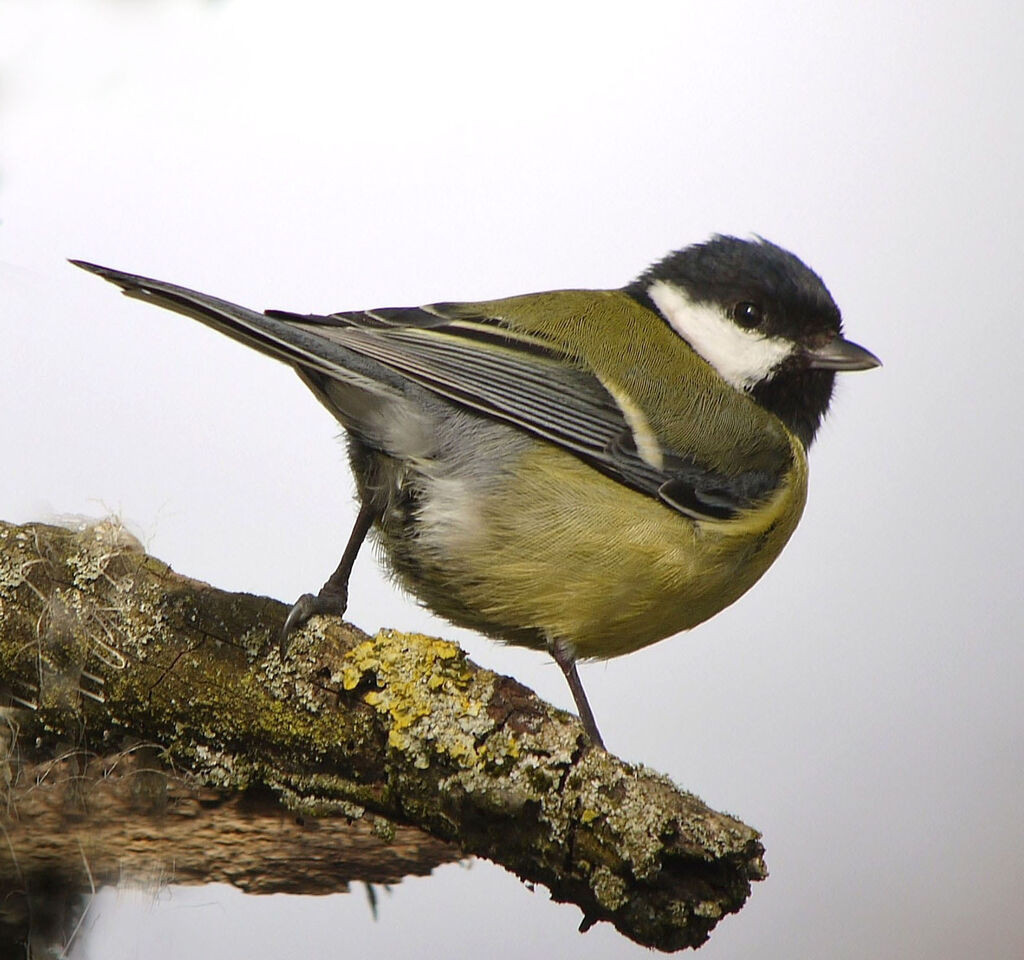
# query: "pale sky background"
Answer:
x=862 y=705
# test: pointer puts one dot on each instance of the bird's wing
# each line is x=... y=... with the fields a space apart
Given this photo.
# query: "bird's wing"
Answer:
x=477 y=362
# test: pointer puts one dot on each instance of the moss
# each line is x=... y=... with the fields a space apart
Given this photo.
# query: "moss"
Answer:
x=400 y=725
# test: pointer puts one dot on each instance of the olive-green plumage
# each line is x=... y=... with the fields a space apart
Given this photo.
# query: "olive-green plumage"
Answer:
x=584 y=470
x=557 y=550
x=629 y=347
x=549 y=547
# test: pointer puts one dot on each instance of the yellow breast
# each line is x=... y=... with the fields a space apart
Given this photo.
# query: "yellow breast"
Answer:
x=559 y=550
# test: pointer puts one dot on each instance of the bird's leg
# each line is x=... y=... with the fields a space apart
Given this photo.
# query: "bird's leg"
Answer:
x=567 y=661
x=333 y=595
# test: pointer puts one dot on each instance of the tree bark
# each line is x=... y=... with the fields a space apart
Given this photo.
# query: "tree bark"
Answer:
x=152 y=725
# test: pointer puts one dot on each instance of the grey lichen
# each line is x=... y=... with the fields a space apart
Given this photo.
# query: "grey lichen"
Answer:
x=13 y=560
x=611 y=891
x=217 y=768
x=310 y=804
x=400 y=727
x=383 y=829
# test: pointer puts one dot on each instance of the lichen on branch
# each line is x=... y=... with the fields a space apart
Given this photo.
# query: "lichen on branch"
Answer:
x=139 y=701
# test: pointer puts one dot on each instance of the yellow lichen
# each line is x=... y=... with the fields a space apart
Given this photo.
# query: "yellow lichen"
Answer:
x=415 y=680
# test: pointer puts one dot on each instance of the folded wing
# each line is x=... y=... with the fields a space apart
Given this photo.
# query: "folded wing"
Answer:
x=475 y=362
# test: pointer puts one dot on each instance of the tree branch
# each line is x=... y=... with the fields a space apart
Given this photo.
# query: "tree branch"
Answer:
x=152 y=722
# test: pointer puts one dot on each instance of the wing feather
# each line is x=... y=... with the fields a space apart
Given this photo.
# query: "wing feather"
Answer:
x=479 y=362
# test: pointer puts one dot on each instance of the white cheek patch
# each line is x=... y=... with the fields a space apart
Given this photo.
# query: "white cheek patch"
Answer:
x=743 y=357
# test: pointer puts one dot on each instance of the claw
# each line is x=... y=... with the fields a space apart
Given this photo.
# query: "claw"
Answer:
x=333 y=596
x=326 y=602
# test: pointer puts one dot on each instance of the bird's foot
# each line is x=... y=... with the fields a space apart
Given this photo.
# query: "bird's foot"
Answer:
x=329 y=602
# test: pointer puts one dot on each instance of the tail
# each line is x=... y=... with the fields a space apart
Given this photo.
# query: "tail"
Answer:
x=366 y=397
x=267 y=334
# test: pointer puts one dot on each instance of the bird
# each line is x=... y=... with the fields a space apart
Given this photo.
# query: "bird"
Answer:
x=583 y=472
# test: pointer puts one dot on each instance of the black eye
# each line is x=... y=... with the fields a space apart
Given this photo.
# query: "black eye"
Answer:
x=748 y=315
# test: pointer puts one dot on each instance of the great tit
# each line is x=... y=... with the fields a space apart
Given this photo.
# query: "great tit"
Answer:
x=581 y=471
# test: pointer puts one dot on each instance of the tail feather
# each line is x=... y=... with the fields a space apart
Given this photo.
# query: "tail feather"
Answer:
x=362 y=394
x=270 y=335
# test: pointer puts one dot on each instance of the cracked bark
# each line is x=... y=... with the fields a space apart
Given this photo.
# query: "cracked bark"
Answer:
x=150 y=720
